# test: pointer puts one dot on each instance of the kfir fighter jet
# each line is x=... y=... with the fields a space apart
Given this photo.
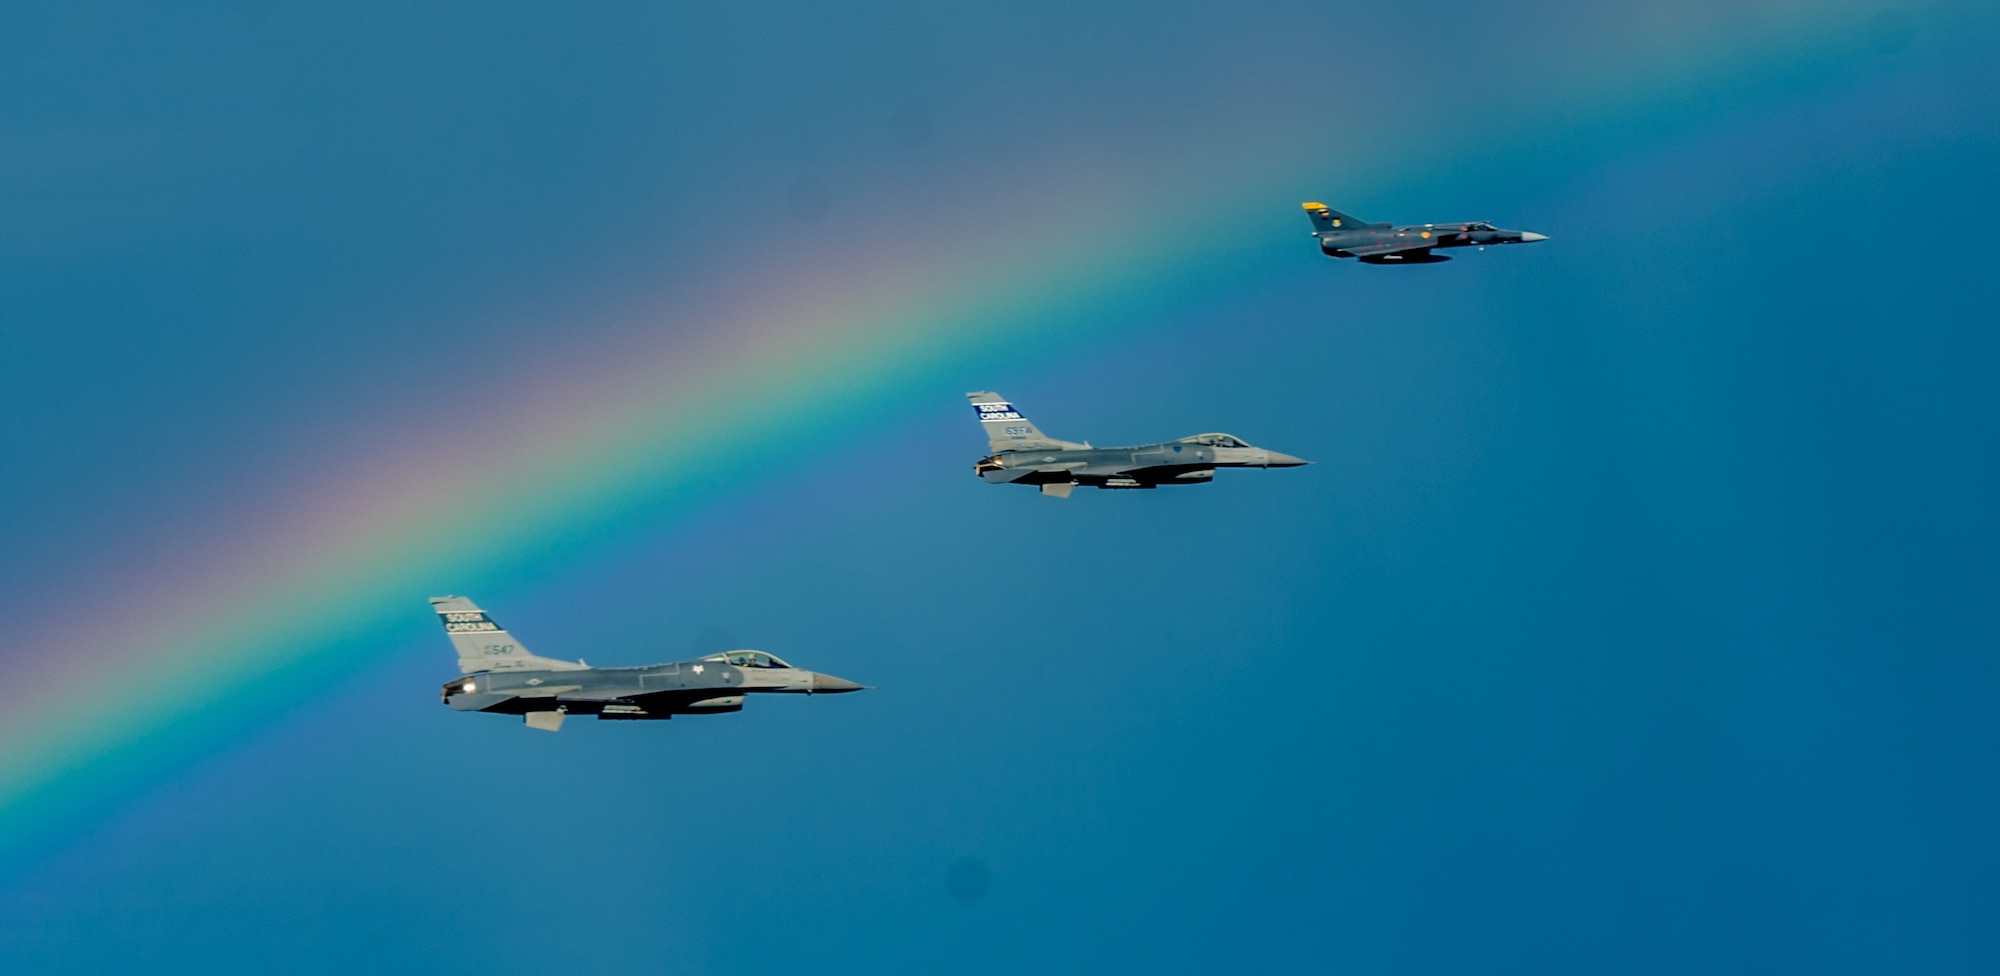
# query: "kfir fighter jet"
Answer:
x=501 y=676
x=1342 y=236
x=1023 y=455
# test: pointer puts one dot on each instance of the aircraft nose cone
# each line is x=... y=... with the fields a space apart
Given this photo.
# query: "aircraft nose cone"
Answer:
x=1529 y=237
x=1272 y=459
x=828 y=684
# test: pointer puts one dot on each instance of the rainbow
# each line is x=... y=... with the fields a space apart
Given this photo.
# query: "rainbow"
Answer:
x=313 y=574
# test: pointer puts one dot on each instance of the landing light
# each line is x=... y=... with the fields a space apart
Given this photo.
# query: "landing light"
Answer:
x=468 y=687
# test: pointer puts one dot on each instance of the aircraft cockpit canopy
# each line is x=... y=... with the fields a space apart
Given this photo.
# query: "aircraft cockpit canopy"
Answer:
x=1480 y=225
x=747 y=659
x=1214 y=440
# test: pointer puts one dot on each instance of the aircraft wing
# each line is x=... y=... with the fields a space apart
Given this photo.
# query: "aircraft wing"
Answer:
x=1390 y=247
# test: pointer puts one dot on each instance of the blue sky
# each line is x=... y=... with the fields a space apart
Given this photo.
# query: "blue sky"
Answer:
x=1634 y=617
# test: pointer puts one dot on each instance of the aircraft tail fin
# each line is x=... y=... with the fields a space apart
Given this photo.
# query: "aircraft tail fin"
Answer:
x=1006 y=429
x=1325 y=219
x=483 y=645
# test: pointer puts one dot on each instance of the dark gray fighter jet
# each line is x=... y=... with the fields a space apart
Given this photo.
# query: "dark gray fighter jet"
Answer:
x=1022 y=455
x=1342 y=236
x=501 y=676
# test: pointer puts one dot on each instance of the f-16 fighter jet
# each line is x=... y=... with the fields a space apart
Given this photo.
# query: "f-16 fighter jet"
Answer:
x=1342 y=236
x=1022 y=455
x=501 y=676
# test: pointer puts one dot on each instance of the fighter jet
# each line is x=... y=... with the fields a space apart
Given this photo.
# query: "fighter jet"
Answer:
x=1023 y=455
x=1342 y=236
x=501 y=676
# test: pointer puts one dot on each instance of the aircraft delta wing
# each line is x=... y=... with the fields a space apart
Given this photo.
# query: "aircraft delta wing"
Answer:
x=499 y=675
x=1023 y=455
x=1344 y=236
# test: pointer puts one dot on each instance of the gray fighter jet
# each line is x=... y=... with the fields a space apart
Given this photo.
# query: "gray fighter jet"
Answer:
x=501 y=676
x=1342 y=236
x=1023 y=455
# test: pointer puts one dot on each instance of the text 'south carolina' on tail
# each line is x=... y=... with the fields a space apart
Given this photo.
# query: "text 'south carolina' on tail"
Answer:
x=1007 y=430
x=1325 y=219
x=482 y=645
